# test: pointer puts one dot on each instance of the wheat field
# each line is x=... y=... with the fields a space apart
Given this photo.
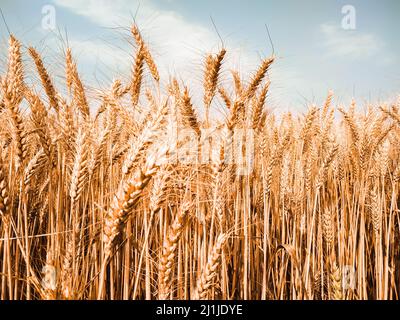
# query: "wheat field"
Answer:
x=142 y=198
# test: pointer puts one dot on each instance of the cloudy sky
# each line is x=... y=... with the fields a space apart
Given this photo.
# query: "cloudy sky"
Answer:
x=315 y=53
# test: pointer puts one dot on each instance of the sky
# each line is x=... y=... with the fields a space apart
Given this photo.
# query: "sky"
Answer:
x=317 y=47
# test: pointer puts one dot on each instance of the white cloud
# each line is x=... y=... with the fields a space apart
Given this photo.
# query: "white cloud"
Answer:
x=176 y=43
x=96 y=51
x=351 y=44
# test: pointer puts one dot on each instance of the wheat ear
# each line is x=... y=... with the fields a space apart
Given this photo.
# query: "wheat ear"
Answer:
x=211 y=73
x=189 y=113
x=131 y=191
x=146 y=53
x=74 y=81
x=209 y=272
x=3 y=192
x=13 y=91
x=336 y=282
x=258 y=77
x=79 y=171
x=45 y=78
x=137 y=75
x=169 y=252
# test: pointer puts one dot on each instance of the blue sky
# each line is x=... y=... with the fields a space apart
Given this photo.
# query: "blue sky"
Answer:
x=314 y=52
